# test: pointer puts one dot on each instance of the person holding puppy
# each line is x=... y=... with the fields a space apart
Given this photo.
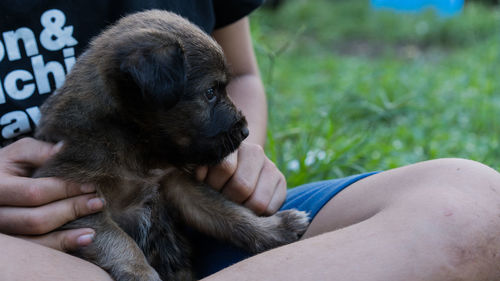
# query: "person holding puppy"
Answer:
x=436 y=220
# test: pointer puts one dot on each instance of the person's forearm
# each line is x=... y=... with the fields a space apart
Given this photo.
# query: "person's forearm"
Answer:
x=246 y=89
x=247 y=92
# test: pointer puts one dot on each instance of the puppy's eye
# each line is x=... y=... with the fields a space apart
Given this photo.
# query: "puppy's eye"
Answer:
x=210 y=95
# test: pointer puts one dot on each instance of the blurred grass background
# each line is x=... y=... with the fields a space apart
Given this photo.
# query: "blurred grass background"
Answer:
x=352 y=90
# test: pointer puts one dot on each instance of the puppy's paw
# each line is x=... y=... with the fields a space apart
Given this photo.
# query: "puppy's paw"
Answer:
x=142 y=274
x=279 y=229
x=293 y=224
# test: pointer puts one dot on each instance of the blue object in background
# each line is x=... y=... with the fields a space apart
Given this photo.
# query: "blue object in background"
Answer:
x=443 y=7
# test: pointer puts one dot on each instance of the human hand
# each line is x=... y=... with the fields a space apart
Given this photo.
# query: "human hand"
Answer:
x=31 y=208
x=248 y=177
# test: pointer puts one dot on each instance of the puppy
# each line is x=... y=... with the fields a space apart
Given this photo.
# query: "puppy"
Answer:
x=141 y=107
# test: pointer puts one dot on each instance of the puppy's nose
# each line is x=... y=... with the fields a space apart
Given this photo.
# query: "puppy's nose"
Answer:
x=244 y=132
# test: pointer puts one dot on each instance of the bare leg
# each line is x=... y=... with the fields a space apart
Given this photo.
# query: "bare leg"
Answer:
x=436 y=220
x=23 y=260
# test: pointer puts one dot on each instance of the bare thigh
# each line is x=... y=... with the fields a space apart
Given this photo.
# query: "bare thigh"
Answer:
x=22 y=260
x=418 y=183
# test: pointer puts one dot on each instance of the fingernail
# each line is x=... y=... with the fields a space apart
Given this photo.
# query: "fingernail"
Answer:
x=95 y=204
x=84 y=240
x=57 y=147
x=201 y=173
x=87 y=188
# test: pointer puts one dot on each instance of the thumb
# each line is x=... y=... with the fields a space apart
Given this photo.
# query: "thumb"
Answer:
x=201 y=173
x=33 y=152
x=64 y=240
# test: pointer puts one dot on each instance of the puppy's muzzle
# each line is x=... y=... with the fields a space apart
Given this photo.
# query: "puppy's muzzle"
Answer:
x=239 y=131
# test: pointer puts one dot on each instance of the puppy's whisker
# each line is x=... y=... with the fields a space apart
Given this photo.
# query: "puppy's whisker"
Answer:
x=231 y=141
x=224 y=145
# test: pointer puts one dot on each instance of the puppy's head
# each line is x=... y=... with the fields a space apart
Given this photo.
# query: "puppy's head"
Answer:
x=169 y=79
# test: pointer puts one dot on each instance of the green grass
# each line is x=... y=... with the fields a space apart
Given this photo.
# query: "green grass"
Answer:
x=353 y=90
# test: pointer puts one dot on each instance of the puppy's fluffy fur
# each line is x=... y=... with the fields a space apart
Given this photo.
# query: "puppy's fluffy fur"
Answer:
x=142 y=105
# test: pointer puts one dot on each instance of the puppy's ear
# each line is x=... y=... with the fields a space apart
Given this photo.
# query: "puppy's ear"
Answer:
x=157 y=69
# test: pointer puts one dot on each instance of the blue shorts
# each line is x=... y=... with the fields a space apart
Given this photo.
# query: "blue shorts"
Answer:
x=212 y=255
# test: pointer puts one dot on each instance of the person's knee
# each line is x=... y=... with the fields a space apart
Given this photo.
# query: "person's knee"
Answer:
x=457 y=205
x=463 y=175
x=468 y=176
x=455 y=184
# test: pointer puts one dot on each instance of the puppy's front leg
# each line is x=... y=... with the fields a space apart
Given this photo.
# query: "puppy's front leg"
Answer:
x=209 y=212
x=113 y=250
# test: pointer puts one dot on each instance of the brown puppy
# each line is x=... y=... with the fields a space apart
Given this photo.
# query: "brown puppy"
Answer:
x=142 y=105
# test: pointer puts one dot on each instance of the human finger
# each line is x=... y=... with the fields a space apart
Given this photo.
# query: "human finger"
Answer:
x=201 y=173
x=242 y=184
x=279 y=197
x=218 y=175
x=264 y=190
x=46 y=218
x=21 y=191
x=65 y=240
x=30 y=151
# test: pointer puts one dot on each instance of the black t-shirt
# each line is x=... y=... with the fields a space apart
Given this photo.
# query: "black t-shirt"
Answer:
x=41 y=39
